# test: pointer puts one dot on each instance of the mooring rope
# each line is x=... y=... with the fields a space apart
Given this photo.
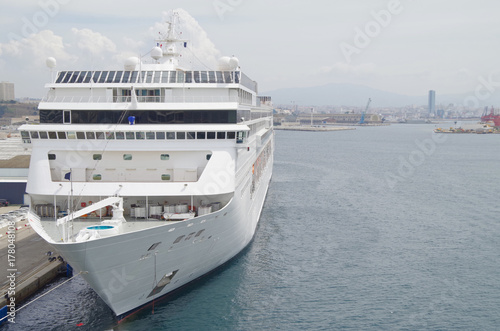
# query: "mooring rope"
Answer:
x=18 y=309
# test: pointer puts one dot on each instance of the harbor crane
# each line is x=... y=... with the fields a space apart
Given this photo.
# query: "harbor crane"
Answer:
x=362 y=121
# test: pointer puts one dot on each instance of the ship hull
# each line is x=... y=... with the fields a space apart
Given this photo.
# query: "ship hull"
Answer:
x=129 y=270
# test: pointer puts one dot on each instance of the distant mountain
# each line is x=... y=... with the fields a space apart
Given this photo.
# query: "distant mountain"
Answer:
x=357 y=96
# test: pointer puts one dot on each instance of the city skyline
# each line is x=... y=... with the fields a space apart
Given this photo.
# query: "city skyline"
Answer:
x=379 y=44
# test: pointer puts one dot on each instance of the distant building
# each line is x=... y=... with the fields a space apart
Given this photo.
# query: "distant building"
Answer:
x=7 y=91
x=432 y=102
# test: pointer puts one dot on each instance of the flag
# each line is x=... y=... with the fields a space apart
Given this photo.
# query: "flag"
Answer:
x=67 y=176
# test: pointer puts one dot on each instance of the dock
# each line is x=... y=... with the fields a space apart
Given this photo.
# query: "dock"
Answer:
x=34 y=264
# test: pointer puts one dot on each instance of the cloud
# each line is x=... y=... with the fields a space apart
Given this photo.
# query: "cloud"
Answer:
x=36 y=46
x=93 y=42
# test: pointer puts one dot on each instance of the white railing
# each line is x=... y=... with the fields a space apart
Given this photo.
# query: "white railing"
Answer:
x=140 y=99
x=36 y=224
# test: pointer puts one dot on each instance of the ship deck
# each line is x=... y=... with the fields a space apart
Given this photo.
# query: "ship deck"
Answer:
x=132 y=225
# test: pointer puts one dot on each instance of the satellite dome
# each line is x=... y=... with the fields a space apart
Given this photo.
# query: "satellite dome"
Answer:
x=233 y=63
x=224 y=63
x=51 y=62
x=157 y=53
x=131 y=63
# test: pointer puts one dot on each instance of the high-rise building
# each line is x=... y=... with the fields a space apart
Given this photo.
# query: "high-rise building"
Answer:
x=7 y=91
x=432 y=102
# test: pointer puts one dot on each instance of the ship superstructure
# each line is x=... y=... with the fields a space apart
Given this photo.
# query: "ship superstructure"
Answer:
x=145 y=179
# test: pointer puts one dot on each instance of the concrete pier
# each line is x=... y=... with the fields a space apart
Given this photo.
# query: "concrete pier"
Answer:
x=32 y=267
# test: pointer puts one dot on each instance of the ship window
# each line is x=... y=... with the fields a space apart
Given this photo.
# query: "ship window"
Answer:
x=100 y=135
x=103 y=77
x=97 y=157
x=96 y=177
x=74 y=77
x=164 y=77
x=90 y=135
x=88 y=77
x=170 y=135
x=34 y=134
x=172 y=76
x=189 y=77
x=196 y=75
x=126 y=76
x=120 y=135
x=165 y=177
x=204 y=78
x=71 y=135
x=52 y=135
x=61 y=135
x=133 y=78
x=60 y=76
x=221 y=135
x=190 y=135
x=236 y=76
x=157 y=77
x=210 y=135
x=220 y=79
x=211 y=77
x=80 y=135
x=241 y=136
x=149 y=77
x=164 y=156
x=67 y=77
x=209 y=156
x=25 y=134
x=110 y=135
x=127 y=157
x=81 y=77
x=141 y=76
x=227 y=77
x=154 y=246
x=181 y=135
x=200 y=135
x=178 y=239
x=67 y=116
x=231 y=135
x=160 y=135
x=118 y=77
x=96 y=76
x=180 y=76
x=150 y=135
x=111 y=76
x=129 y=135
x=43 y=135
x=52 y=156
x=139 y=135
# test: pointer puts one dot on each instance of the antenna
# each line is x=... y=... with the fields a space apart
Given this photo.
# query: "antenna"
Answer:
x=51 y=63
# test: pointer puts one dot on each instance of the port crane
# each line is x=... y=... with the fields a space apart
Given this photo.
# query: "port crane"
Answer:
x=362 y=121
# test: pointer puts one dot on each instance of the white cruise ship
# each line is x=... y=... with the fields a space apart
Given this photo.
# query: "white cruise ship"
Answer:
x=147 y=178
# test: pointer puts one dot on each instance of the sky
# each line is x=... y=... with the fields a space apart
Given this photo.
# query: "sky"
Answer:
x=401 y=46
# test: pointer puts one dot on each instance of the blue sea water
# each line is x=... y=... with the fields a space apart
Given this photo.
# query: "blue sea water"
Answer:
x=378 y=228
